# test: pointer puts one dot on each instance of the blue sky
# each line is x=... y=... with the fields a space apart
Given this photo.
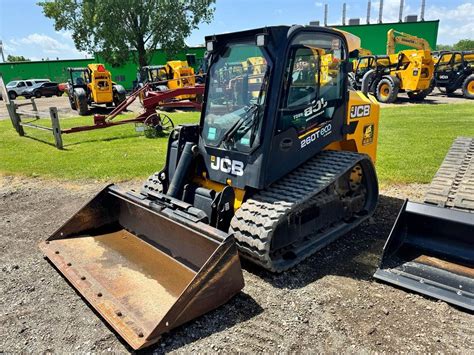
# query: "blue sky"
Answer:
x=25 y=31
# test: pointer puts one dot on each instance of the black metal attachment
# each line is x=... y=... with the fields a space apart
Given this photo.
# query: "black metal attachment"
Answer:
x=430 y=251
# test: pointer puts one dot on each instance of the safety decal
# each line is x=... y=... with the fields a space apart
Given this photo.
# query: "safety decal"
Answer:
x=368 y=134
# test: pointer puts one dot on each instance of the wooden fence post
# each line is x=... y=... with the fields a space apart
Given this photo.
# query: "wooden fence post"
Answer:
x=53 y=112
x=35 y=108
x=15 y=118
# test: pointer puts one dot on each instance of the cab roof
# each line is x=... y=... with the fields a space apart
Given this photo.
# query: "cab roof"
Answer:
x=353 y=42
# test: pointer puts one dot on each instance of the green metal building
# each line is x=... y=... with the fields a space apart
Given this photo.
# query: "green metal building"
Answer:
x=373 y=36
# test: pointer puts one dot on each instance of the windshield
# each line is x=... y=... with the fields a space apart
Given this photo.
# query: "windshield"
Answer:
x=157 y=74
x=12 y=83
x=79 y=77
x=236 y=96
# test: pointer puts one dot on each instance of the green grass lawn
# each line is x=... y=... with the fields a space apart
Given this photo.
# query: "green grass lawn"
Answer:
x=414 y=139
x=115 y=153
x=412 y=143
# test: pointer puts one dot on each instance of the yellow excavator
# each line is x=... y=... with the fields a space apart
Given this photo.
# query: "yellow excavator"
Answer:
x=271 y=177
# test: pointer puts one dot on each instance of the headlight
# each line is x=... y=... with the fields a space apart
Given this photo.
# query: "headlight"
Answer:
x=210 y=46
x=261 y=40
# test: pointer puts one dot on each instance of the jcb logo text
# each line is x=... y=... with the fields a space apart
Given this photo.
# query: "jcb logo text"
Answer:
x=360 y=111
x=228 y=166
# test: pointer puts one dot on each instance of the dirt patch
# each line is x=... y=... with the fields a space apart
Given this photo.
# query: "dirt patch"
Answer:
x=330 y=302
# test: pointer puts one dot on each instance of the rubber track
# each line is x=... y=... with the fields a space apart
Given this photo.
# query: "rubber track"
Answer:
x=453 y=184
x=254 y=222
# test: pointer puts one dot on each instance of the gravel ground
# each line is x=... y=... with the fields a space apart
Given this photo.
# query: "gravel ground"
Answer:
x=62 y=104
x=329 y=303
x=435 y=98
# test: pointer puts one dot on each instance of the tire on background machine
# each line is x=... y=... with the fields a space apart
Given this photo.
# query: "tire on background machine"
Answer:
x=390 y=86
x=118 y=98
x=468 y=87
x=418 y=95
x=431 y=87
x=81 y=104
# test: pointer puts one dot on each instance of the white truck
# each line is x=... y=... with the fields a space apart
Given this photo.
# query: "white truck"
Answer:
x=15 y=88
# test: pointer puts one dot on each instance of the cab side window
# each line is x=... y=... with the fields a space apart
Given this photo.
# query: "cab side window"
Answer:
x=364 y=65
x=457 y=62
x=314 y=82
x=304 y=77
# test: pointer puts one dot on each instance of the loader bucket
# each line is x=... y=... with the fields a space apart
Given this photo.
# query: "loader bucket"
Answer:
x=430 y=250
x=145 y=269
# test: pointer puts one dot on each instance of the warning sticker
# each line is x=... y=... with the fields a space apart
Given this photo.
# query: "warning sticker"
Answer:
x=211 y=134
x=368 y=134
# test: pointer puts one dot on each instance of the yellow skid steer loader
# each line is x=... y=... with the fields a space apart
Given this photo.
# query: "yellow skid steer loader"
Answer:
x=280 y=164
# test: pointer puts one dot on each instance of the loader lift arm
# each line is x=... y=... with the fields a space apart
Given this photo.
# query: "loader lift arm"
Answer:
x=395 y=37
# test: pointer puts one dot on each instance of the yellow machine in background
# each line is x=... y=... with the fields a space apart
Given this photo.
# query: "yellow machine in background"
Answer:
x=411 y=70
x=455 y=70
x=180 y=74
x=93 y=85
x=362 y=53
x=173 y=75
x=100 y=85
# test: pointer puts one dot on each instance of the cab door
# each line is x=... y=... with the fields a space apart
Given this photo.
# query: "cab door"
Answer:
x=312 y=102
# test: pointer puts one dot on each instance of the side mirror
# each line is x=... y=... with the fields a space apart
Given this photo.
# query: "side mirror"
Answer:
x=354 y=54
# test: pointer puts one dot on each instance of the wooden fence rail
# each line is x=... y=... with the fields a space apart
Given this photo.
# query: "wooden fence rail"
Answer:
x=15 y=116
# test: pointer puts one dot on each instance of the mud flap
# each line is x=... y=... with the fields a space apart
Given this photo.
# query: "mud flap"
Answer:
x=430 y=250
x=142 y=266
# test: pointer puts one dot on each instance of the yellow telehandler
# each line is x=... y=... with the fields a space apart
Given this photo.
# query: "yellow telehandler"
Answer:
x=410 y=70
x=91 y=86
x=173 y=75
x=455 y=70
